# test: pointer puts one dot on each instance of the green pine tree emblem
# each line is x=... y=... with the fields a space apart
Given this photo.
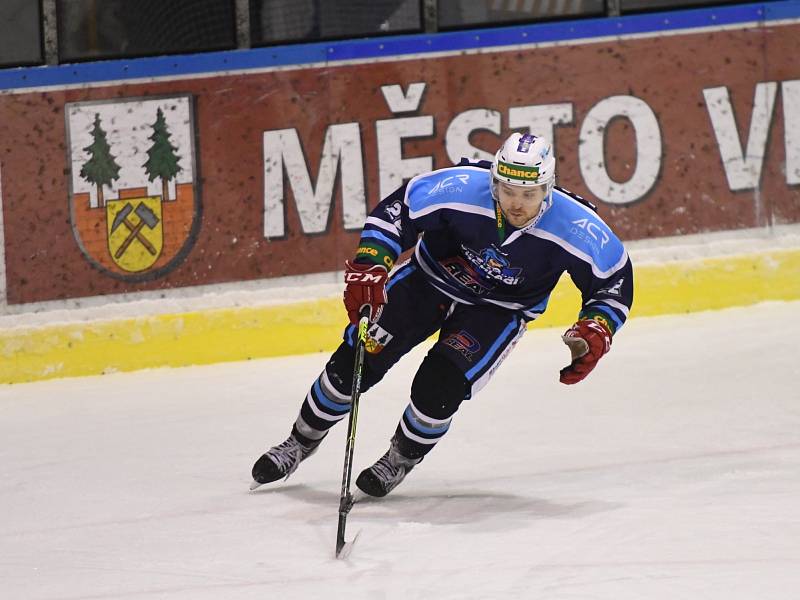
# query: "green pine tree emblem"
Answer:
x=101 y=168
x=162 y=161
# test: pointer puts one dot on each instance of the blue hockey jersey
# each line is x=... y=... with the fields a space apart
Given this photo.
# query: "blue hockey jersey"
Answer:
x=469 y=252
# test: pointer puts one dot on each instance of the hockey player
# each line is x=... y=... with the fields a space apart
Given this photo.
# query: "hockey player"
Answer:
x=490 y=240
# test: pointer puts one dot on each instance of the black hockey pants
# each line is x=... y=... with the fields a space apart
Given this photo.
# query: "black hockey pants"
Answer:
x=473 y=341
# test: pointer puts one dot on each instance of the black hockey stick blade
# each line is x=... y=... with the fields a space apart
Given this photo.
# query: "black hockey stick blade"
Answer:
x=345 y=504
x=347 y=547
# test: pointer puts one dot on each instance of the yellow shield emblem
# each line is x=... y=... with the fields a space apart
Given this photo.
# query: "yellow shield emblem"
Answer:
x=135 y=232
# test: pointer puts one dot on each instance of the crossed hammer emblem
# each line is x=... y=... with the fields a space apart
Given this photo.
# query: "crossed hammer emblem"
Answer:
x=147 y=218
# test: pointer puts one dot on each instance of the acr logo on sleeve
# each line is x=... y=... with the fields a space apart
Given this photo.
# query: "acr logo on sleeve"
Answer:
x=594 y=231
x=448 y=184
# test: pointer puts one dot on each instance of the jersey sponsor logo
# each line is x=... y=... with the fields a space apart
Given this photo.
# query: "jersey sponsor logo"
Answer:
x=449 y=184
x=463 y=343
x=367 y=250
x=377 y=338
x=387 y=260
x=590 y=232
x=465 y=274
x=604 y=322
x=493 y=265
x=518 y=172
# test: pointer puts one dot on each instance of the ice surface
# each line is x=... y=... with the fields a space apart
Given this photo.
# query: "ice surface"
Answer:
x=673 y=472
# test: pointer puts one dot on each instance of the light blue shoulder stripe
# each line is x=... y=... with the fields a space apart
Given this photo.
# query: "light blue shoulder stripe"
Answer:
x=461 y=188
x=582 y=233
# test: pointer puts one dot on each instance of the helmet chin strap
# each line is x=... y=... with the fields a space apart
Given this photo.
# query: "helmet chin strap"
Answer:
x=493 y=189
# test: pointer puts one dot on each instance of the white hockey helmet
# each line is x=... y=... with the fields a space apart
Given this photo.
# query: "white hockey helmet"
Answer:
x=525 y=160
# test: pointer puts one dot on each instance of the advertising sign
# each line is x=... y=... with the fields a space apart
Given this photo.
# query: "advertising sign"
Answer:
x=226 y=177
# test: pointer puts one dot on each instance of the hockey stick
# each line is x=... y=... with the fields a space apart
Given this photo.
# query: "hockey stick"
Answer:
x=346 y=498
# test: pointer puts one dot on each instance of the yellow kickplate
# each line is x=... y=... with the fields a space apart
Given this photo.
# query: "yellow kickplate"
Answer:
x=229 y=334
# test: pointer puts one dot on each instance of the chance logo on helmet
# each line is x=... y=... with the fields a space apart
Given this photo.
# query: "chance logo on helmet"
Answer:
x=518 y=172
x=525 y=160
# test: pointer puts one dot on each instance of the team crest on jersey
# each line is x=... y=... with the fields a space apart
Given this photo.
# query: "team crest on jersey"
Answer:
x=377 y=338
x=134 y=201
x=493 y=264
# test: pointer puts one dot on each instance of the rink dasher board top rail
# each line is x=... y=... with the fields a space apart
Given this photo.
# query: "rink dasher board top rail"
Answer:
x=401 y=47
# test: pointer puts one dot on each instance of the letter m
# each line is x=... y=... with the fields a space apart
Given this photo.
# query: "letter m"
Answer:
x=282 y=151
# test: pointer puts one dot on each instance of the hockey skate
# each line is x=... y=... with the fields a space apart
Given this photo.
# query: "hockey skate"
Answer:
x=386 y=474
x=282 y=460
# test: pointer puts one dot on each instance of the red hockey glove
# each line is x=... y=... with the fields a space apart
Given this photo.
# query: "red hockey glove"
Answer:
x=588 y=340
x=366 y=286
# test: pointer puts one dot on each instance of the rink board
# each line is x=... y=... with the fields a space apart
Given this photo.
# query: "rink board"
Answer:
x=283 y=149
x=204 y=337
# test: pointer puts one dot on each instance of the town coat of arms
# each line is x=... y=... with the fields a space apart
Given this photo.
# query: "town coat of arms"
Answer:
x=134 y=200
